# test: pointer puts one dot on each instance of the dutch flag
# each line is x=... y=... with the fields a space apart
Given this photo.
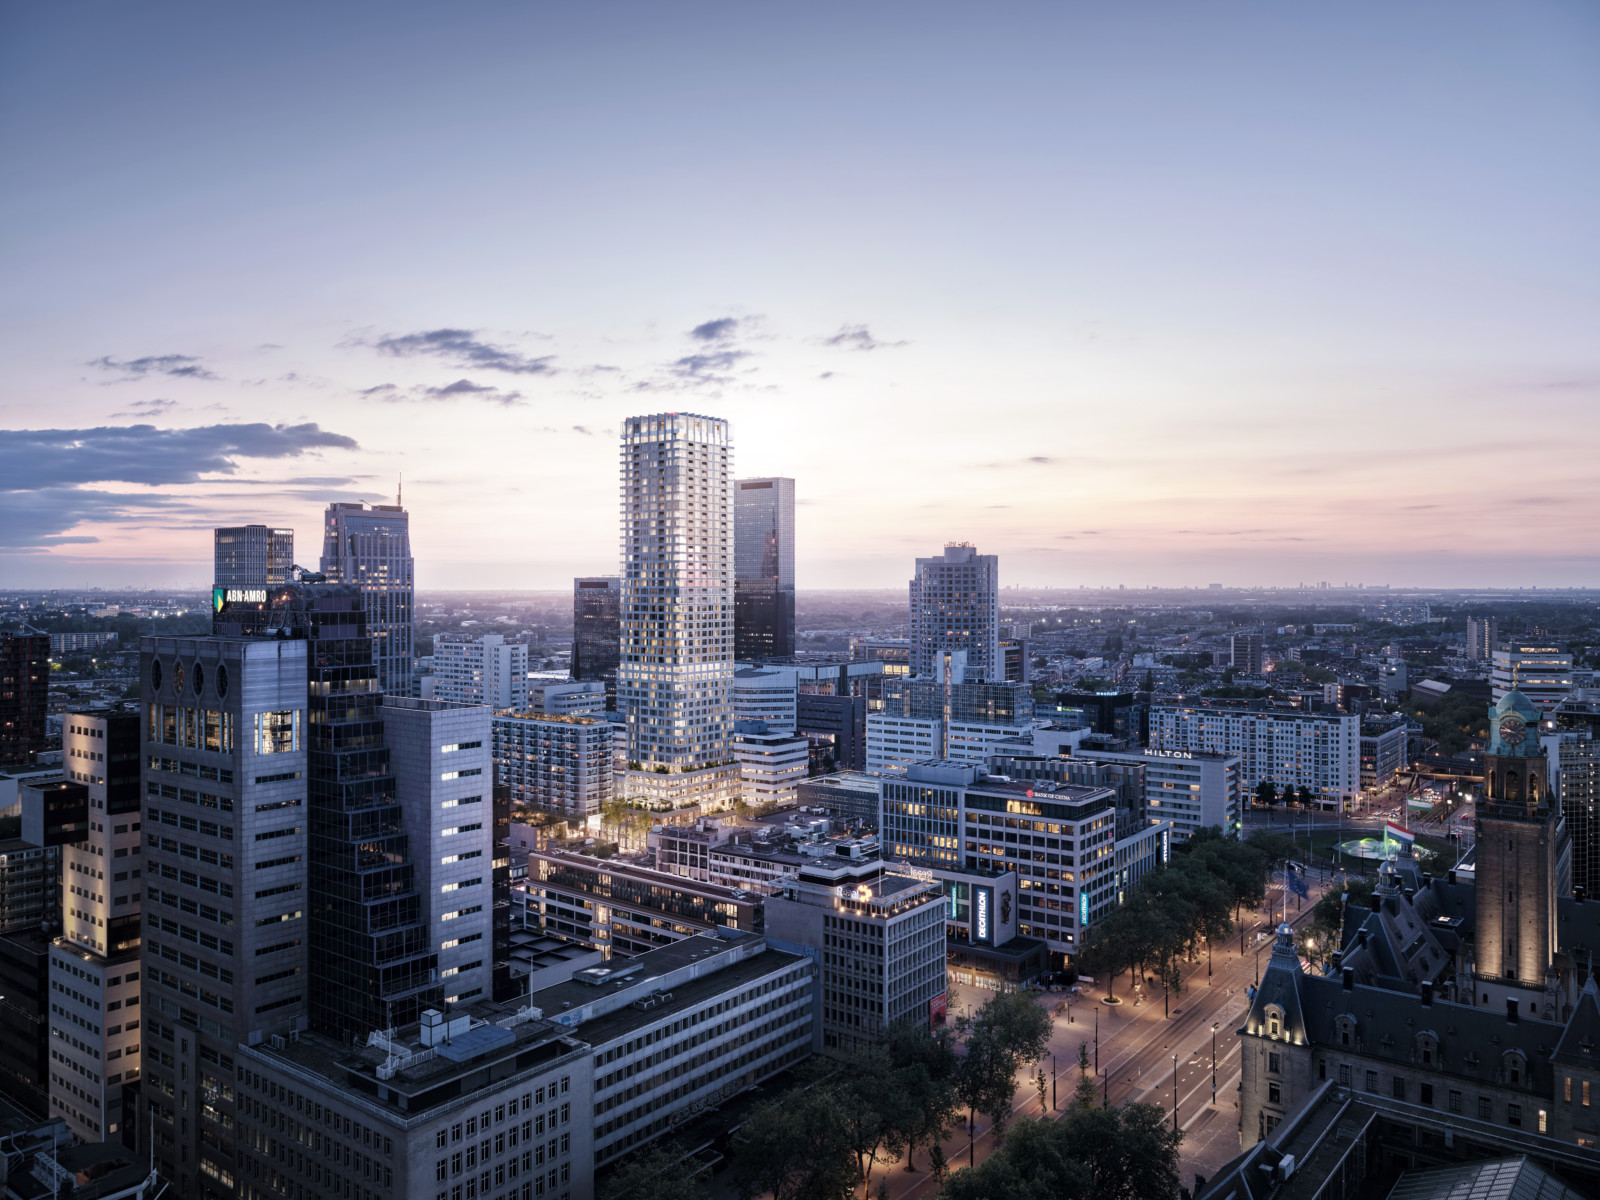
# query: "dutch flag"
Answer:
x=1398 y=833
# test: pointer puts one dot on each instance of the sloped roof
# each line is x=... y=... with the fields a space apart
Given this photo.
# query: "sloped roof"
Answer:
x=1580 y=1041
x=1492 y=1179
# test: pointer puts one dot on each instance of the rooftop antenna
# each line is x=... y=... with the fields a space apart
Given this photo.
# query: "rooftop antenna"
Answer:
x=399 y=490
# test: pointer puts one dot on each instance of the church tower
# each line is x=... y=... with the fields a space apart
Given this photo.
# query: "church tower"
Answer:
x=1519 y=833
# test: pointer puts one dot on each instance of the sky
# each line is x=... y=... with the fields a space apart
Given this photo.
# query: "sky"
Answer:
x=1144 y=293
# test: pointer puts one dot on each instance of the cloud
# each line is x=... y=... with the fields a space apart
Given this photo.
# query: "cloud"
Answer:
x=147 y=408
x=720 y=330
x=858 y=337
x=41 y=471
x=179 y=366
x=383 y=391
x=462 y=347
x=465 y=387
x=706 y=366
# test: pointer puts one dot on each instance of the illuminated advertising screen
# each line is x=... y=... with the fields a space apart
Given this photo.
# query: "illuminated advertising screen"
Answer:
x=982 y=898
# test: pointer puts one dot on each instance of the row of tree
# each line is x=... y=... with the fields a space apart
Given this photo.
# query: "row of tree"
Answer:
x=1268 y=794
x=1190 y=903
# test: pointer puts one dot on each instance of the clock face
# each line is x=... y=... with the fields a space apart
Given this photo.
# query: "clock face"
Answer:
x=1512 y=731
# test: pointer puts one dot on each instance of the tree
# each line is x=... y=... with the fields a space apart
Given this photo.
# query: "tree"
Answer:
x=1266 y=794
x=657 y=1172
x=795 y=1147
x=1110 y=948
x=1305 y=796
x=927 y=1066
x=1009 y=1030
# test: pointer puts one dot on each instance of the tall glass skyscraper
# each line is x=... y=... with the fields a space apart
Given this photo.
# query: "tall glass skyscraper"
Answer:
x=955 y=605
x=763 y=541
x=597 y=631
x=371 y=548
x=251 y=556
x=676 y=673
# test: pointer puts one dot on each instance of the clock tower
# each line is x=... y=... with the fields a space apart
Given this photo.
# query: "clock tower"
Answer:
x=1519 y=834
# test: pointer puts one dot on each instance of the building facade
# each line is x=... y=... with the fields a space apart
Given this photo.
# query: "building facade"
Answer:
x=676 y=674
x=24 y=694
x=955 y=606
x=771 y=764
x=597 y=631
x=1383 y=753
x=552 y=763
x=876 y=935
x=251 y=557
x=1483 y=635
x=370 y=548
x=1247 y=653
x=763 y=538
x=766 y=694
x=1540 y=671
x=480 y=670
x=1321 y=751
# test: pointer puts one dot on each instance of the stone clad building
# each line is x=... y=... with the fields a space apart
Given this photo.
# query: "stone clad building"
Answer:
x=1466 y=1014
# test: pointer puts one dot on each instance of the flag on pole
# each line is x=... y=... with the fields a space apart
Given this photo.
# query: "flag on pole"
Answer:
x=1297 y=885
x=1398 y=833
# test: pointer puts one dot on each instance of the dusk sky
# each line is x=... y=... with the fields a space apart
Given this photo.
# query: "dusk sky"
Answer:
x=1126 y=293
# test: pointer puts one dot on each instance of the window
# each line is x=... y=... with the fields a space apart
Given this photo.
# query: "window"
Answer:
x=1542 y=1121
x=1514 y=1115
x=278 y=732
x=1372 y=1081
x=1344 y=1074
x=1399 y=1088
x=1427 y=1094
x=1586 y=1093
x=1454 y=1104
x=1274 y=1064
x=1485 y=1109
x=1274 y=1094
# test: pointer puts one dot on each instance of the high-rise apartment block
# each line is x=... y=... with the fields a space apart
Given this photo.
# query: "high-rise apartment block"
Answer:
x=766 y=694
x=677 y=610
x=1247 y=653
x=1483 y=635
x=566 y=697
x=597 y=631
x=24 y=693
x=251 y=557
x=771 y=763
x=764 y=568
x=877 y=935
x=955 y=605
x=95 y=1018
x=443 y=773
x=952 y=716
x=1320 y=751
x=371 y=549
x=555 y=763
x=1541 y=671
x=480 y=670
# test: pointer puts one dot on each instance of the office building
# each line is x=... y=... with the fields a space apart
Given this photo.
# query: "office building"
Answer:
x=955 y=606
x=443 y=776
x=625 y=909
x=597 y=631
x=876 y=935
x=1320 y=751
x=488 y=1101
x=767 y=694
x=951 y=716
x=1483 y=635
x=676 y=674
x=97 y=957
x=893 y=653
x=755 y=856
x=771 y=763
x=566 y=697
x=1018 y=665
x=836 y=727
x=1383 y=752
x=553 y=763
x=24 y=694
x=1247 y=653
x=224 y=947
x=1075 y=853
x=43 y=1163
x=849 y=796
x=251 y=557
x=370 y=548
x=1540 y=671
x=480 y=670
x=1575 y=753
x=27 y=1059
x=82 y=643
x=736 y=1006
x=1118 y=715
x=763 y=589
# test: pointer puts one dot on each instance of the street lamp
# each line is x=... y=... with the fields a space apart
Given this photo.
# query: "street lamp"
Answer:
x=1053 y=1104
x=1097 y=1040
x=1214 y=1025
x=1174 y=1093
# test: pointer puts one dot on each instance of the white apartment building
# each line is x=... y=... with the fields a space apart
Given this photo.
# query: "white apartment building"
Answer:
x=1190 y=789
x=1482 y=635
x=771 y=764
x=482 y=670
x=676 y=673
x=94 y=966
x=895 y=742
x=566 y=697
x=876 y=933
x=444 y=778
x=1540 y=671
x=1321 y=751
x=955 y=605
x=766 y=694
x=556 y=763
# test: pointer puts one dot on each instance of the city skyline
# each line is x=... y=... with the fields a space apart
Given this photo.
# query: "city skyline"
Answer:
x=1257 y=299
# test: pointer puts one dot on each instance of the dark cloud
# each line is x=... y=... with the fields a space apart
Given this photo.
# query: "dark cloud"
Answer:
x=147 y=408
x=382 y=391
x=703 y=366
x=462 y=347
x=858 y=337
x=179 y=366
x=1040 y=458
x=40 y=470
x=720 y=330
x=466 y=388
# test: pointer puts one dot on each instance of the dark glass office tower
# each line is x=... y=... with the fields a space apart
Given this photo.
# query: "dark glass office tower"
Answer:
x=249 y=557
x=763 y=553
x=24 y=690
x=371 y=549
x=597 y=631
